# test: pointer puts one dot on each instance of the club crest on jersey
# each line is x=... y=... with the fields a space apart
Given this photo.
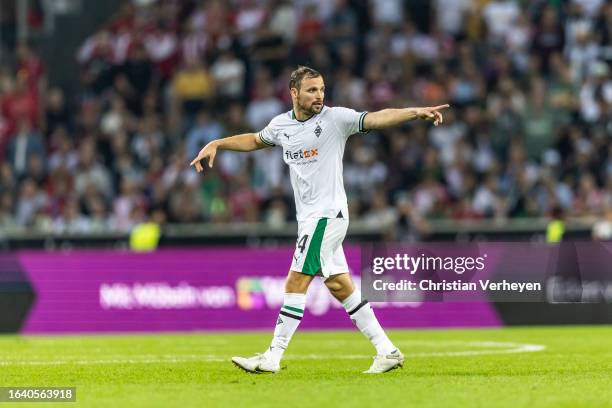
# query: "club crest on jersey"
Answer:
x=318 y=130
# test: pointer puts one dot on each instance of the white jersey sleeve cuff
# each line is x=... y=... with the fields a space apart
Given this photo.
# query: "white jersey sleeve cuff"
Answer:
x=263 y=139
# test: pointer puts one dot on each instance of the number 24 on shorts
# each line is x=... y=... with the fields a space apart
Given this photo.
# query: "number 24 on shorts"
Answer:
x=302 y=243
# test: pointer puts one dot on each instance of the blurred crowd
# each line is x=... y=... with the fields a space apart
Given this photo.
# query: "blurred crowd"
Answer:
x=529 y=132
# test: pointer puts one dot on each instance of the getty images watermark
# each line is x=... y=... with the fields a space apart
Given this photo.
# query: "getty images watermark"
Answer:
x=500 y=271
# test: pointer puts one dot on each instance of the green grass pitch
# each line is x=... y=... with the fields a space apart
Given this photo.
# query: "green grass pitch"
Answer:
x=510 y=367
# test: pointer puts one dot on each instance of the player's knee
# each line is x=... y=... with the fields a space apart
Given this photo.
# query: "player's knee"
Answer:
x=340 y=286
x=334 y=285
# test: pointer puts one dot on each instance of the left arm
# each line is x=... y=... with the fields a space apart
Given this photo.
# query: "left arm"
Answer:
x=392 y=117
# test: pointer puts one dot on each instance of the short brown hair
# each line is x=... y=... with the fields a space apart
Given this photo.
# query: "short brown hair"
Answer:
x=300 y=73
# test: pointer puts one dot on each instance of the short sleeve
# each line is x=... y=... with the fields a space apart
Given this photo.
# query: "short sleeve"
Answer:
x=348 y=120
x=269 y=136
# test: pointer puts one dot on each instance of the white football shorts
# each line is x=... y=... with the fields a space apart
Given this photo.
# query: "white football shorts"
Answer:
x=319 y=247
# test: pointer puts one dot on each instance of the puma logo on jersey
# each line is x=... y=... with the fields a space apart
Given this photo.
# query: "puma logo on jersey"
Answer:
x=302 y=154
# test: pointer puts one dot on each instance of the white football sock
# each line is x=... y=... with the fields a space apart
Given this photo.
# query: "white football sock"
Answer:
x=289 y=318
x=362 y=315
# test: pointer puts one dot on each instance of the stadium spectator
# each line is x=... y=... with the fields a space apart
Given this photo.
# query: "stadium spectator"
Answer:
x=26 y=144
x=602 y=228
x=530 y=84
x=229 y=74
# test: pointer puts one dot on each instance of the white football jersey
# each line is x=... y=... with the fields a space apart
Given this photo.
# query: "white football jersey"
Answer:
x=313 y=150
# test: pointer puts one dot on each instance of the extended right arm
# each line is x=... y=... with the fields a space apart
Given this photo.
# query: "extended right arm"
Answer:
x=246 y=142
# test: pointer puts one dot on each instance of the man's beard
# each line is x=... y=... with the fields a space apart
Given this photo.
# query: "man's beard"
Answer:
x=312 y=110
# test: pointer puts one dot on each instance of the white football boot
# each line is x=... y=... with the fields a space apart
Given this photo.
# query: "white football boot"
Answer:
x=383 y=363
x=258 y=364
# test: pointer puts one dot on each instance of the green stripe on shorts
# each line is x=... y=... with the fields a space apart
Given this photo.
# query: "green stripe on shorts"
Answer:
x=312 y=264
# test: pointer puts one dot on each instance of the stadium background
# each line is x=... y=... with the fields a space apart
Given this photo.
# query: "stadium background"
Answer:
x=100 y=114
x=121 y=270
x=103 y=105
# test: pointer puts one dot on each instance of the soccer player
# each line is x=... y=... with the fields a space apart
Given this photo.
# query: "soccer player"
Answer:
x=313 y=137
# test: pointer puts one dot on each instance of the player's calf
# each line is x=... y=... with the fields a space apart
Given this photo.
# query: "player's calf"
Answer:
x=388 y=356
